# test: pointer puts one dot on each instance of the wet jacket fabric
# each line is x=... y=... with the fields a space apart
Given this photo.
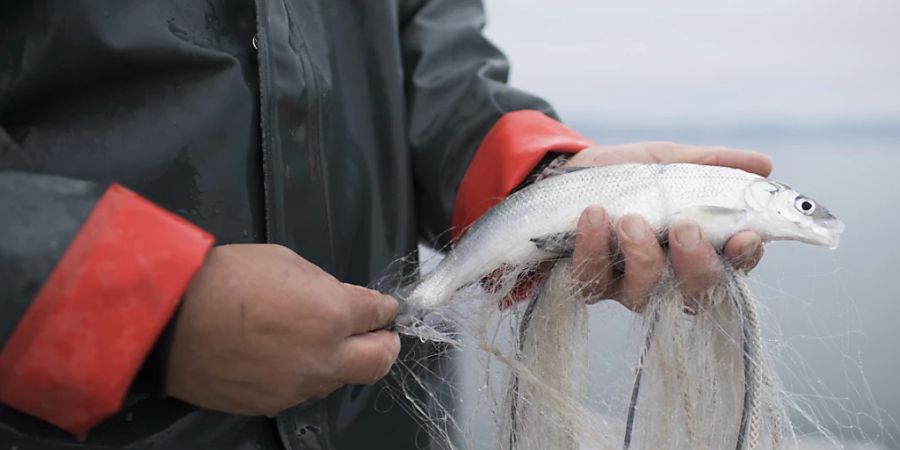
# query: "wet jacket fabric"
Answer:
x=136 y=134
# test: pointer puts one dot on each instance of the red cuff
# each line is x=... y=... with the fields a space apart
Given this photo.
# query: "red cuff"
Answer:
x=506 y=156
x=74 y=353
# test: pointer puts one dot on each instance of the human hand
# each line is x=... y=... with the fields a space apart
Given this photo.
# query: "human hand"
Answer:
x=694 y=261
x=261 y=329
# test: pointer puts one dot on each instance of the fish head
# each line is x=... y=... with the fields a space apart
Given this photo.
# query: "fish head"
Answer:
x=785 y=214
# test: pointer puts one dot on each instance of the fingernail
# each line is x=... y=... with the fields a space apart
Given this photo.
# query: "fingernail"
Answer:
x=687 y=234
x=749 y=253
x=633 y=227
x=748 y=250
x=596 y=215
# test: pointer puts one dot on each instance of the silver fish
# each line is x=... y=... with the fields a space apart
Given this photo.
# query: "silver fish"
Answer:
x=723 y=201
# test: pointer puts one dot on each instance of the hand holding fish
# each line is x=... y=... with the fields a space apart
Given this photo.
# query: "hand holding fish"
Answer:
x=693 y=257
x=674 y=191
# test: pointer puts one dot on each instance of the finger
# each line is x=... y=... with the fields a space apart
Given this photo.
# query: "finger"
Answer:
x=367 y=358
x=744 y=250
x=668 y=152
x=746 y=160
x=591 y=256
x=369 y=310
x=644 y=260
x=694 y=261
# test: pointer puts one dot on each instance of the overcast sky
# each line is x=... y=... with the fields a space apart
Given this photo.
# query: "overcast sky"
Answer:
x=701 y=61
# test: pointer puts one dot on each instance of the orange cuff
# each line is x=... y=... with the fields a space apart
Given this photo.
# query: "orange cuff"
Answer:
x=74 y=353
x=506 y=156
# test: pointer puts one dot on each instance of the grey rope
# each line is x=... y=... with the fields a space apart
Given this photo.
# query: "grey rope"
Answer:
x=635 y=390
x=753 y=373
x=749 y=430
x=513 y=403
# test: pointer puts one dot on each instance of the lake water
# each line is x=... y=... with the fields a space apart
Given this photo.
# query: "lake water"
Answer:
x=832 y=314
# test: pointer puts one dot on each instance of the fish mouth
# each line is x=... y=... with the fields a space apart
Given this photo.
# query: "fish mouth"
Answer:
x=826 y=233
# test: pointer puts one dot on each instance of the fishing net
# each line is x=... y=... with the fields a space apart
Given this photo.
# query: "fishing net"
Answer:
x=701 y=379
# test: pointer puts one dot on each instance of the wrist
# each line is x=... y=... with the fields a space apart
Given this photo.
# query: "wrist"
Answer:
x=548 y=166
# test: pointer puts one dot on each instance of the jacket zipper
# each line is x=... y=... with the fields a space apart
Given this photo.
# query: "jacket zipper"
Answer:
x=259 y=43
x=313 y=138
x=262 y=66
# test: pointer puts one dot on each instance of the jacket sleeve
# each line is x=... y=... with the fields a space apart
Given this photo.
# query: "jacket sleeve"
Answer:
x=91 y=276
x=473 y=138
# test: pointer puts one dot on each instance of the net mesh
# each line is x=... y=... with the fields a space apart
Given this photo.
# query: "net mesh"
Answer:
x=689 y=379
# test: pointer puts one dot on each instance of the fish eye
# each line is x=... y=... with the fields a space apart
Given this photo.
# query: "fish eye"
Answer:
x=805 y=205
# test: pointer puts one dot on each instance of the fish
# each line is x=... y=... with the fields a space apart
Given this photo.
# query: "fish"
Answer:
x=538 y=221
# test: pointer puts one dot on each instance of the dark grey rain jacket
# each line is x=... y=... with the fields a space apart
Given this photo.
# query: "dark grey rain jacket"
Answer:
x=339 y=128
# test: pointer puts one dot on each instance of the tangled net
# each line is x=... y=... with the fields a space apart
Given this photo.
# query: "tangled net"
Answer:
x=697 y=381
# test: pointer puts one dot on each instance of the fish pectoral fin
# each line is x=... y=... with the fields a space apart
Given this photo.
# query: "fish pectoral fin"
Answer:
x=562 y=244
x=712 y=216
x=547 y=173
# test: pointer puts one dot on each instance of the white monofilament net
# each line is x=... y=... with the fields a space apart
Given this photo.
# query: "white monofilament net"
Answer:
x=696 y=381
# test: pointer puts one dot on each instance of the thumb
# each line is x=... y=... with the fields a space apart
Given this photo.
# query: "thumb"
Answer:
x=368 y=357
x=369 y=310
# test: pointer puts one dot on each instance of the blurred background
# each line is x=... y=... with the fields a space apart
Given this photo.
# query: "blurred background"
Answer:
x=813 y=83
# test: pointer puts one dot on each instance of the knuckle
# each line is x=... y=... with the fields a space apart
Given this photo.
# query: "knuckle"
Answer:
x=642 y=257
x=334 y=315
x=328 y=370
x=278 y=249
x=662 y=145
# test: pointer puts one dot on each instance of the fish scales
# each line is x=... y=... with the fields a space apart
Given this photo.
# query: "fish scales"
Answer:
x=722 y=200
